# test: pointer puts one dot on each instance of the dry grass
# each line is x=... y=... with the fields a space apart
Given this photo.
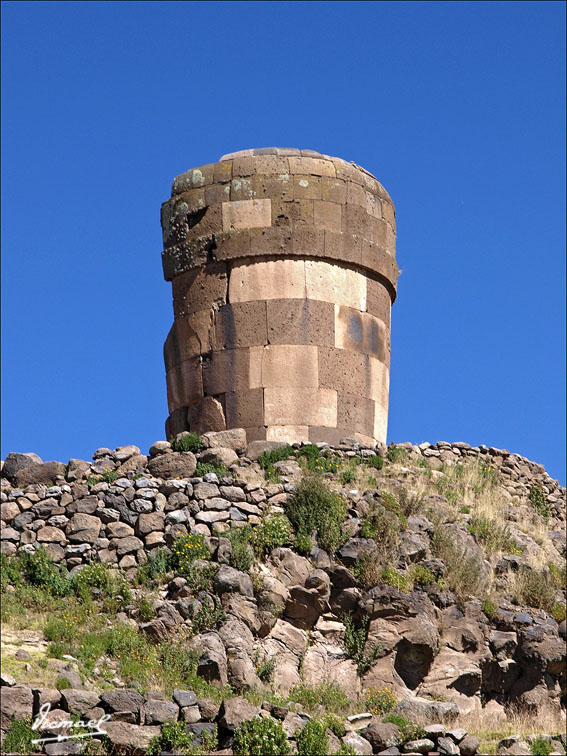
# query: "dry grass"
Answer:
x=490 y=727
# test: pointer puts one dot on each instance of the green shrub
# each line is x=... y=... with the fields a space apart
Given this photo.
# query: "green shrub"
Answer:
x=559 y=612
x=422 y=576
x=19 y=737
x=261 y=736
x=535 y=589
x=558 y=574
x=409 y=731
x=40 y=570
x=208 y=617
x=267 y=459
x=316 y=460
x=489 y=608
x=495 y=537
x=355 y=644
x=541 y=747
x=186 y=441
x=539 y=502
x=398 y=456
x=156 y=567
x=378 y=700
x=10 y=571
x=204 y=468
x=328 y=695
x=335 y=724
x=146 y=612
x=242 y=553
x=314 y=507
x=200 y=576
x=303 y=543
x=265 y=667
x=367 y=570
x=274 y=531
x=384 y=527
x=348 y=476
x=463 y=574
x=374 y=461
x=173 y=737
x=313 y=739
x=391 y=576
x=63 y=683
x=185 y=550
x=109 y=476
x=95 y=575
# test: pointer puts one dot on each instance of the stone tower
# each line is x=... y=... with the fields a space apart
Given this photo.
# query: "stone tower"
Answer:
x=282 y=263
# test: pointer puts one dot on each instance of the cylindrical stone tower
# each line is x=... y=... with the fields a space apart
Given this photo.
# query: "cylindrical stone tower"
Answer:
x=283 y=268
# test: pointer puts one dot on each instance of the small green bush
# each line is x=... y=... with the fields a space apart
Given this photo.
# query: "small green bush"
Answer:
x=146 y=612
x=313 y=739
x=40 y=570
x=378 y=700
x=422 y=576
x=173 y=737
x=303 y=543
x=328 y=695
x=261 y=736
x=186 y=441
x=535 y=589
x=391 y=576
x=409 y=731
x=539 y=502
x=398 y=456
x=316 y=460
x=347 y=476
x=265 y=667
x=204 y=468
x=489 y=608
x=242 y=553
x=375 y=461
x=541 y=747
x=558 y=575
x=355 y=644
x=384 y=527
x=19 y=737
x=156 y=567
x=185 y=550
x=314 y=507
x=274 y=531
x=63 y=684
x=209 y=616
x=559 y=612
x=109 y=476
x=335 y=724
x=495 y=537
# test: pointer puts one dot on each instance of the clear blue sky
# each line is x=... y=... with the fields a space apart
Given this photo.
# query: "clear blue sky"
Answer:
x=458 y=108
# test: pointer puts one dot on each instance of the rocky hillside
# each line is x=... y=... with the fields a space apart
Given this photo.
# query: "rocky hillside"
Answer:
x=218 y=597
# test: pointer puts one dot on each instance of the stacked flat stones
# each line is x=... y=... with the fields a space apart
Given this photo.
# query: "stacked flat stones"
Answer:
x=282 y=263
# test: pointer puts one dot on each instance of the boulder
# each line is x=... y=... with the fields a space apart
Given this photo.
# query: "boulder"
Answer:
x=83 y=528
x=173 y=465
x=235 y=711
x=382 y=735
x=359 y=744
x=422 y=709
x=447 y=747
x=220 y=456
x=45 y=473
x=212 y=663
x=126 y=700
x=304 y=606
x=469 y=746
x=158 y=712
x=229 y=580
x=130 y=739
x=15 y=701
x=184 y=698
x=235 y=439
x=256 y=448
x=16 y=461
x=78 y=701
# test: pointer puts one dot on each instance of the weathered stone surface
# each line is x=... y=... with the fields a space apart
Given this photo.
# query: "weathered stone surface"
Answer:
x=45 y=473
x=235 y=439
x=173 y=465
x=220 y=456
x=382 y=736
x=229 y=580
x=131 y=739
x=15 y=701
x=83 y=528
x=235 y=711
x=212 y=663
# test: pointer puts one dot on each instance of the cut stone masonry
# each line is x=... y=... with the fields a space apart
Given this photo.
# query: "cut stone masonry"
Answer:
x=283 y=271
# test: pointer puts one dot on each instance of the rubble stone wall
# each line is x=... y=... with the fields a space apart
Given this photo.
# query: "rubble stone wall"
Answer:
x=283 y=270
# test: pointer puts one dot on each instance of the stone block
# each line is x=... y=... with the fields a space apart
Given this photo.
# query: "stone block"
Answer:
x=360 y=332
x=356 y=220
x=216 y=194
x=176 y=422
x=271 y=164
x=193 y=198
x=373 y=205
x=288 y=434
x=200 y=289
x=206 y=415
x=243 y=166
x=380 y=422
x=327 y=215
x=319 y=434
x=278 y=188
x=242 y=189
x=289 y=365
x=356 y=195
x=226 y=370
x=267 y=279
x=308 y=241
x=240 y=324
x=310 y=406
x=343 y=247
x=306 y=187
x=379 y=261
x=233 y=245
x=335 y=283
x=184 y=384
x=333 y=190
x=312 y=166
x=222 y=172
x=286 y=212
x=389 y=214
x=344 y=371
x=189 y=337
x=244 y=408
x=378 y=302
x=355 y=411
x=255 y=434
x=270 y=241
x=253 y=213
x=348 y=172
x=301 y=321
x=205 y=222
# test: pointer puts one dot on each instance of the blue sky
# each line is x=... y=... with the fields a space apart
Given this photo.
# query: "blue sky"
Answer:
x=458 y=108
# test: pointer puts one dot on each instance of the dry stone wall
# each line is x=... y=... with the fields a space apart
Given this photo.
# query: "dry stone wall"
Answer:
x=282 y=263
